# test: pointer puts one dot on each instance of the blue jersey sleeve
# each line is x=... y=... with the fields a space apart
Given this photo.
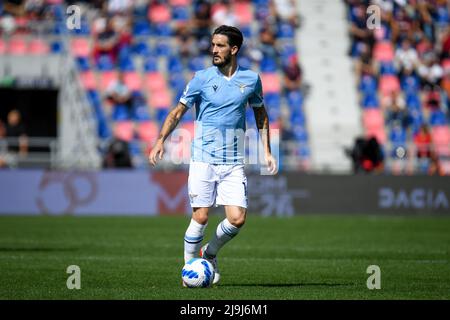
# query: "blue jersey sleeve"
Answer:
x=256 y=100
x=192 y=91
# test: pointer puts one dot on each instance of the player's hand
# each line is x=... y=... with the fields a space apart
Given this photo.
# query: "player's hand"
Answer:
x=156 y=153
x=271 y=163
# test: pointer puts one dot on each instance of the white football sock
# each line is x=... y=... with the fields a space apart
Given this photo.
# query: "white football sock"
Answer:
x=225 y=232
x=193 y=239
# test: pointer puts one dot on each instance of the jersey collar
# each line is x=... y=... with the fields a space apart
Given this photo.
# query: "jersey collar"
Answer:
x=225 y=77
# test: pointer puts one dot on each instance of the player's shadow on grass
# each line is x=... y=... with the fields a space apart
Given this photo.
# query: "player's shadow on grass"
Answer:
x=35 y=249
x=300 y=284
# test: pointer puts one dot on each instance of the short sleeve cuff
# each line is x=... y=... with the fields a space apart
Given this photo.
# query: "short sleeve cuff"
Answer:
x=185 y=102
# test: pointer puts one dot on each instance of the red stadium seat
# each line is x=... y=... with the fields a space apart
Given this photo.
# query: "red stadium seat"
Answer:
x=88 y=80
x=124 y=130
x=244 y=13
x=133 y=81
x=179 y=3
x=160 y=99
x=22 y=23
x=159 y=13
x=446 y=64
x=39 y=47
x=383 y=51
x=17 y=46
x=147 y=131
x=155 y=81
x=389 y=84
x=106 y=78
x=373 y=118
x=440 y=136
x=271 y=82
x=80 y=47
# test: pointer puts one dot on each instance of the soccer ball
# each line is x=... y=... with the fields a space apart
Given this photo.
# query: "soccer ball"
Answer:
x=198 y=273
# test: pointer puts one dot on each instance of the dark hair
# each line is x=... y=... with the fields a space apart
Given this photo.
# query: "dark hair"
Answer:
x=235 y=37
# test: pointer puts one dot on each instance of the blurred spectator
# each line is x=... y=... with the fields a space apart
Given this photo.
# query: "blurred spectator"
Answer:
x=14 y=7
x=424 y=46
x=430 y=71
x=397 y=114
x=201 y=23
x=8 y=24
x=123 y=27
x=36 y=9
x=286 y=10
x=117 y=155
x=11 y=9
x=292 y=74
x=445 y=47
x=445 y=85
x=366 y=155
x=406 y=56
x=364 y=65
x=287 y=133
x=425 y=18
x=107 y=42
x=187 y=47
x=402 y=24
x=423 y=141
x=122 y=7
x=268 y=41
x=16 y=129
x=358 y=30
x=225 y=15
x=432 y=98
x=118 y=93
x=372 y=159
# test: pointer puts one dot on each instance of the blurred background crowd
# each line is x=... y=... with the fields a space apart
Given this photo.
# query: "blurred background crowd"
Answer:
x=134 y=58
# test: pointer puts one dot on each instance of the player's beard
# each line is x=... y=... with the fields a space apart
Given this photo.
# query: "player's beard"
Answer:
x=226 y=61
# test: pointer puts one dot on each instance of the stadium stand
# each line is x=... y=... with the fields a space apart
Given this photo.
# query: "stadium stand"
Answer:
x=402 y=81
x=402 y=67
x=147 y=41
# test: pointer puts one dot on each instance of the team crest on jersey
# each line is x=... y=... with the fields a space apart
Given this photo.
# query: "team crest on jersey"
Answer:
x=215 y=87
x=242 y=87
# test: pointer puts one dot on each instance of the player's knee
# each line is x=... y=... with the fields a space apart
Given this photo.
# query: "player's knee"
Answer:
x=239 y=220
x=200 y=215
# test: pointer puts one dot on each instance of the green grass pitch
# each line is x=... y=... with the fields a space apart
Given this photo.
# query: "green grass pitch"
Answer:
x=302 y=257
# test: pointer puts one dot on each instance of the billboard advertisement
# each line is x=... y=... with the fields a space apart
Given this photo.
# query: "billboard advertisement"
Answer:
x=141 y=192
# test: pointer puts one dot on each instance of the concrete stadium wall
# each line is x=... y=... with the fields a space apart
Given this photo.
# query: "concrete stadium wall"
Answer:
x=150 y=193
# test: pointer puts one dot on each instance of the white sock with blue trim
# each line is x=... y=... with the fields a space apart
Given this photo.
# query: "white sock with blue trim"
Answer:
x=225 y=232
x=193 y=240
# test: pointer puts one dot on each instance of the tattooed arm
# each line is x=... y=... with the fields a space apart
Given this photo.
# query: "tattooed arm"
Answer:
x=172 y=120
x=262 y=123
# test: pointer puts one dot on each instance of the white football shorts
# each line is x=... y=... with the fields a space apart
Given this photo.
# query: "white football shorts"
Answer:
x=217 y=184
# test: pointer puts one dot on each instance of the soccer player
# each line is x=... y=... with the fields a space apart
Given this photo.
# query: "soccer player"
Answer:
x=220 y=95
